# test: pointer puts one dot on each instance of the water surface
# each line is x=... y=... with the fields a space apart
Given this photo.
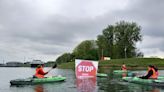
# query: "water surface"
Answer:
x=112 y=83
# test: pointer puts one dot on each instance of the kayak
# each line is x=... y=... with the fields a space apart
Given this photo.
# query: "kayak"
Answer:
x=30 y=81
x=160 y=77
x=153 y=82
x=102 y=75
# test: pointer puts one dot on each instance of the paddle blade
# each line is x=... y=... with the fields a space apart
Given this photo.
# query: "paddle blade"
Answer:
x=55 y=65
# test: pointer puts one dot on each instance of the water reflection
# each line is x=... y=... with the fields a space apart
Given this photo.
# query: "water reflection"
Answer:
x=142 y=88
x=86 y=84
x=124 y=74
x=155 y=90
x=39 y=88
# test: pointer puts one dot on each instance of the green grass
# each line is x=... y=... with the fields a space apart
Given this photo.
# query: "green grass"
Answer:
x=69 y=65
x=131 y=63
x=134 y=62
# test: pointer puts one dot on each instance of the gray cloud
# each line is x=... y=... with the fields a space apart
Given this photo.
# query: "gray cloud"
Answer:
x=46 y=29
x=148 y=13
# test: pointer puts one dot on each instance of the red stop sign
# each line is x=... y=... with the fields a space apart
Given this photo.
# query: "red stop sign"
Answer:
x=85 y=69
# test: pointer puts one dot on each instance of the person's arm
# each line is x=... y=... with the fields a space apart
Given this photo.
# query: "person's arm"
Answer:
x=150 y=73
x=42 y=72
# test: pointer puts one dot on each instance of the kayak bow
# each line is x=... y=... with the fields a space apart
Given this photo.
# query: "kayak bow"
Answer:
x=102 y=75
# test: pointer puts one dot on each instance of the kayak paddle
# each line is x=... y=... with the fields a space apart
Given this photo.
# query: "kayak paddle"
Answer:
x=54 y=66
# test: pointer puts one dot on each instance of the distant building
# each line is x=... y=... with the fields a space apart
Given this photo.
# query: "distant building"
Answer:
x=27 y=62
x=1 y=65
x=14 y=64
x=106 y=58
x=35 y=63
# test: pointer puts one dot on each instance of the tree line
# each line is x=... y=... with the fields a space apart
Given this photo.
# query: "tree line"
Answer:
x=116 y=41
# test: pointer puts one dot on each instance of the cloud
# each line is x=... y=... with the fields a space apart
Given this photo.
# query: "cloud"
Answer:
x=148 y=14
x=39 y=29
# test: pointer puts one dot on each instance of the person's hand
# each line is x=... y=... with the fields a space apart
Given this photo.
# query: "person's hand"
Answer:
x=46 y=72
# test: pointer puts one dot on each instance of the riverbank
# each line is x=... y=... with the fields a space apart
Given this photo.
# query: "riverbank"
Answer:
x=131 y=63
x=49 y=64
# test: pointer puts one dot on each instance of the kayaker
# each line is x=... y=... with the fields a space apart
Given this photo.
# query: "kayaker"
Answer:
x=151 y=74
x=124 y=67
x=39 y=72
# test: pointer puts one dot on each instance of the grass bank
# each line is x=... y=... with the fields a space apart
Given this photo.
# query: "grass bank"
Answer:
x=131 y=63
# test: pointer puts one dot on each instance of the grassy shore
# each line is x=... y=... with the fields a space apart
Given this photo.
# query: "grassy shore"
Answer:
x=131 y=63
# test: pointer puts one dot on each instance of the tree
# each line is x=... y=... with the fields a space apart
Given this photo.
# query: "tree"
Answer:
x=106 y=41
x=86 y=50
x=119 y=40
x=66 y=57
x=127 y=35
x=102 y=43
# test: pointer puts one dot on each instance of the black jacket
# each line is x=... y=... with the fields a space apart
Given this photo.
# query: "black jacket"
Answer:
x=150 y=73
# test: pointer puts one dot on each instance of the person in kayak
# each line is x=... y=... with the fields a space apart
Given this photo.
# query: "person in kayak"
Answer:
x=39 y=72
x=124 y=67
x=151 y=74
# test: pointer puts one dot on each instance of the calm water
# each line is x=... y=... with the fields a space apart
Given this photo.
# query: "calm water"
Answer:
x=111 y=84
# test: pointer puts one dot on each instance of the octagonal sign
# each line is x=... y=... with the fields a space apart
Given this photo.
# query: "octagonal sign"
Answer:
x=86 y=68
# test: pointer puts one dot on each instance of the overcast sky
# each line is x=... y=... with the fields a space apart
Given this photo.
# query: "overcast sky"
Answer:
x=45 y=29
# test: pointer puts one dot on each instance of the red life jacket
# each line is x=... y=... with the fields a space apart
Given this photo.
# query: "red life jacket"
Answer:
x=39 y=73
x=124 y=68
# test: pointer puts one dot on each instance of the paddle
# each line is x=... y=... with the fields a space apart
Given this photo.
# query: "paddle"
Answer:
x=54 y=66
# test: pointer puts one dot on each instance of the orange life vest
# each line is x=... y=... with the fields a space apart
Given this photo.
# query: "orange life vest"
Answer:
x=154 y=75
x=124 y=68
x=38 y=74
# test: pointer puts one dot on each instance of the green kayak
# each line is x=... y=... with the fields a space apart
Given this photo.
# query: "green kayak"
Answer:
x=102 y=75
x=153 y=82
x=30 y=81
